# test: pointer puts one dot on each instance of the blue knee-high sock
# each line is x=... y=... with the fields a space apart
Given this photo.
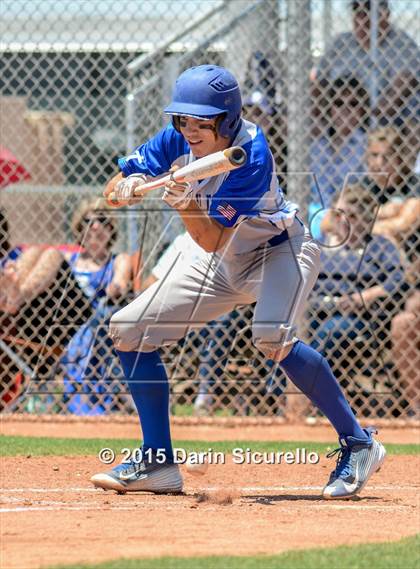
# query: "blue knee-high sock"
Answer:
x=149 y=387
x=311 y=372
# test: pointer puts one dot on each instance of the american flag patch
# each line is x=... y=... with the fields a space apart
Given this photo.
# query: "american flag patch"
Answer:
x=226 y=210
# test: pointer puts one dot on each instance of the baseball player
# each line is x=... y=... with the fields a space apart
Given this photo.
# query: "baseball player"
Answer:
x=258 y=250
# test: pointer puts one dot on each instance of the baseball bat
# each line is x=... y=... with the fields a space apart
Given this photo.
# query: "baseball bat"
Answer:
x=206 y=167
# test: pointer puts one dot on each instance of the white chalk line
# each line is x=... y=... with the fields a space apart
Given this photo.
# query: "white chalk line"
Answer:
x=60 y=505
x=62 y=508
x=389 y=488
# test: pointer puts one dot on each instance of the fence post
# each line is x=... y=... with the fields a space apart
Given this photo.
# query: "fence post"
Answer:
x=299 y=62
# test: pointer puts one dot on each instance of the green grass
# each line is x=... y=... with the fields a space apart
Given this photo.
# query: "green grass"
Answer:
x=398 y=555
x=188 y=411
x=48 y=446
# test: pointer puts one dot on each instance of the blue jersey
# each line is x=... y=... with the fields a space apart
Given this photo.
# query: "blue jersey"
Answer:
x=249 y=197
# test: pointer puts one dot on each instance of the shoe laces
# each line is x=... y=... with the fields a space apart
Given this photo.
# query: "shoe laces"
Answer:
x=136 y=466
x=343 y=463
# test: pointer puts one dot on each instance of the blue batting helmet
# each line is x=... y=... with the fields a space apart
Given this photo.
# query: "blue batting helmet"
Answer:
x=205 y=92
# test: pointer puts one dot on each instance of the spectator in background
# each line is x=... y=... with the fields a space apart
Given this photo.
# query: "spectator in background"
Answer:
x=390 y=179
x=388 y=71
x=350 y=52
x=389 y=164
x=405 y=331
x=399 y=103
x=39 y=303
x=257 y=109
x=340 y=149
x=105 y=278
x=24 y=275
x=354 y=298
x=264 y=103
x=396 y=188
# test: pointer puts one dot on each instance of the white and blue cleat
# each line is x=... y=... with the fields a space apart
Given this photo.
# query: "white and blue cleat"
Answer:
x=144 y=476
x=356 y=462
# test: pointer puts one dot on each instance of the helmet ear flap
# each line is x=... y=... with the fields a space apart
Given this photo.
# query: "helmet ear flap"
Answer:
x=224 y=128
x=220 y=119
x=176 y=120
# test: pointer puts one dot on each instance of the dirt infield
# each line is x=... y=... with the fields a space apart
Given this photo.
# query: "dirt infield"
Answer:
x=52 y=515
x=191 y=429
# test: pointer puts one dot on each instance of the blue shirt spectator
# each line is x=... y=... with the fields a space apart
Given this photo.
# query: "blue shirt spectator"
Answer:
x=340 y=149
x=346 y=270
x=350 y=51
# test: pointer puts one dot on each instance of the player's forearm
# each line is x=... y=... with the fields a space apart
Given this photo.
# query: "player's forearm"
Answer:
x=205 y=231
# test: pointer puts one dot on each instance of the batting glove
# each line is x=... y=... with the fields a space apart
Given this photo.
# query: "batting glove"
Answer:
x=178 y=196
x=124 y=190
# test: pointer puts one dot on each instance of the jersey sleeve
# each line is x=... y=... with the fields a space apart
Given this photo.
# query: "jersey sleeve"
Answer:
x=243 y=188
x=155 y=156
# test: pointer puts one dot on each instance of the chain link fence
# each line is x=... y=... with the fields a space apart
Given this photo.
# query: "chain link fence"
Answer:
x=334 y=84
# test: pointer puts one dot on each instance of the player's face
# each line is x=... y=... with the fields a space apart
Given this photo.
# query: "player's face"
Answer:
x=201 y=136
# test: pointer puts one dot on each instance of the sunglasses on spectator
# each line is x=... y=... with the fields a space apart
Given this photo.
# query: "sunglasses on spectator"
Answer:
x=102 y=219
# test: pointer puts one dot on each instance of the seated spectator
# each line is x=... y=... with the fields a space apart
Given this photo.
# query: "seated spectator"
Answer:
x=354 y=299
x=35 y=317
x=340 y=150
x=390 y=180
x=265 y=93
x=256 y=108
x=399 y=103
x=405 y=334
x=405 y=329
x=400 y=221
x=389 y=166
x=87 y=366
x=350 y=52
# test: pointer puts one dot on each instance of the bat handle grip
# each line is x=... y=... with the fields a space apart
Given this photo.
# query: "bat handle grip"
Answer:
x=112 y=199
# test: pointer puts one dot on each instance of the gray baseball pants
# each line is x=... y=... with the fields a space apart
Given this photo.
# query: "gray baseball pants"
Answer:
x=278 y=278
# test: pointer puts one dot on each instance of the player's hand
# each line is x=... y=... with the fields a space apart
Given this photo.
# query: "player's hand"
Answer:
x=124 y=190
x=177 y=195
